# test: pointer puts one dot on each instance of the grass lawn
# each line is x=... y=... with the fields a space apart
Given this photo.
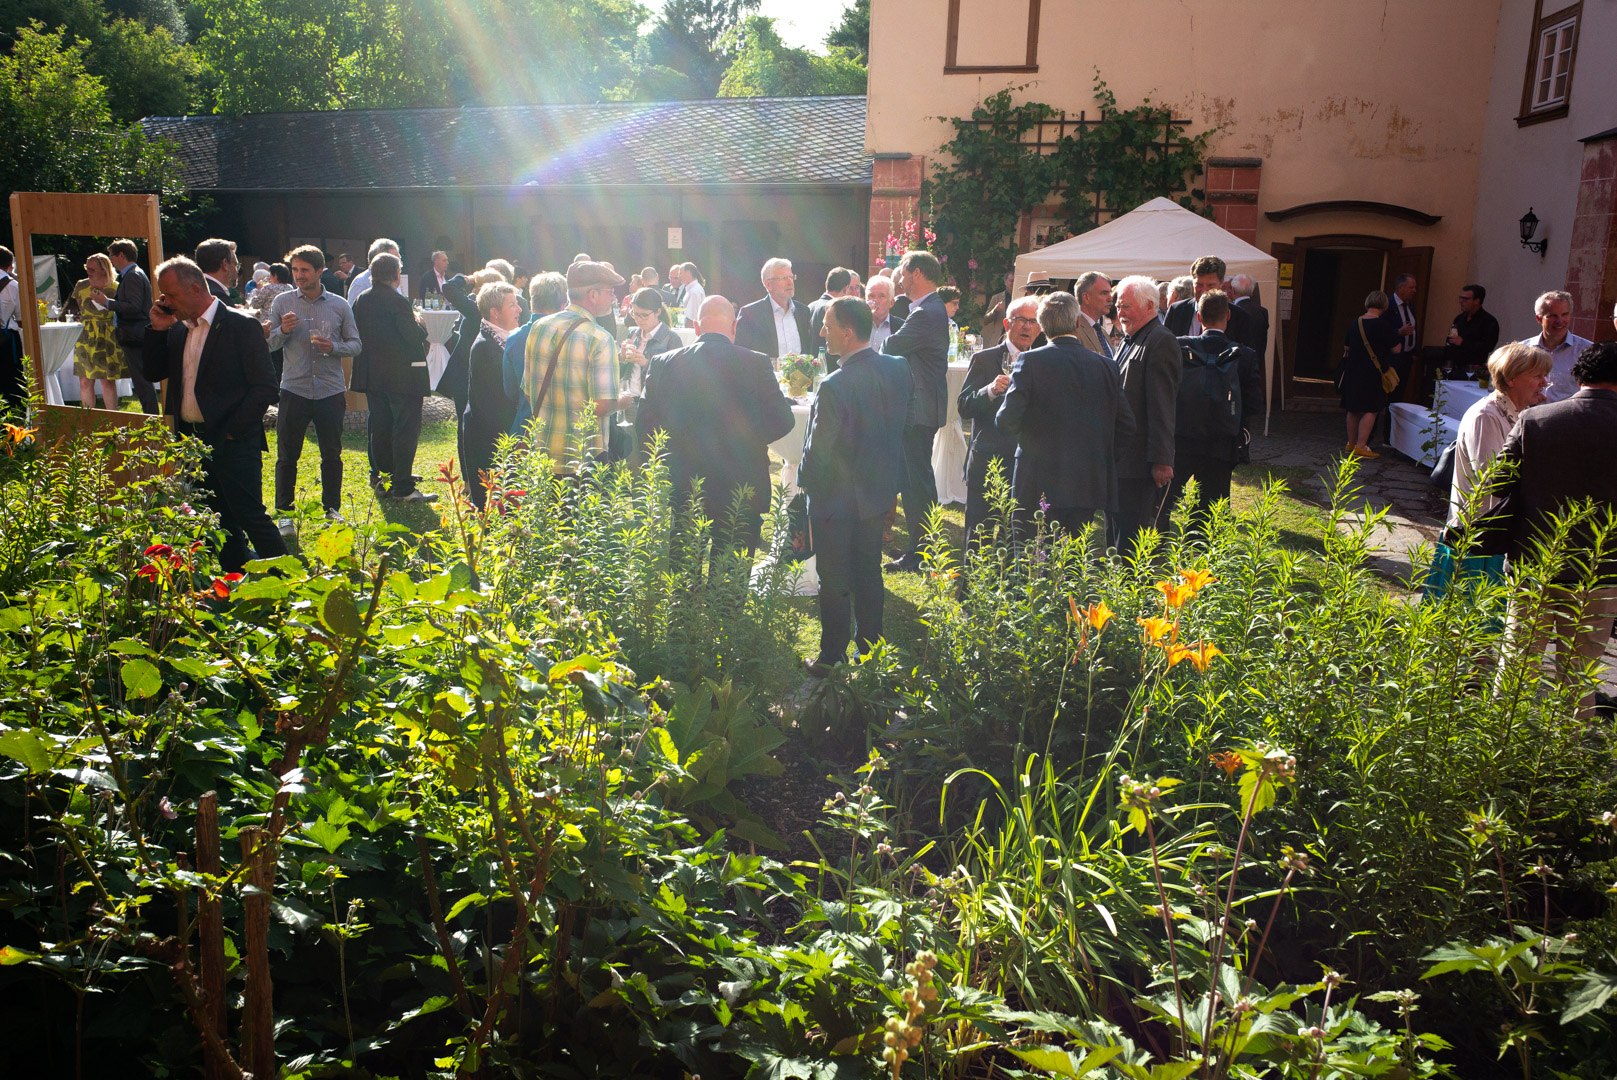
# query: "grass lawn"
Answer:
x=1301 y=521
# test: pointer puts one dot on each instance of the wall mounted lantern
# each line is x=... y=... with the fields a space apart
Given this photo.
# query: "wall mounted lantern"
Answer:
x=1529 y=225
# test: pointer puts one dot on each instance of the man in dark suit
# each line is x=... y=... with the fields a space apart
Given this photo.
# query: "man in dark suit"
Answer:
x=1244 y=289
x=391 y=371
x=721 y=407
x=1181 y=318
x=979 y=402
x=853 y=467
x=1210 y=455
x=129 y=306
x=220 y=383
x=217 y=258
x=1150 y=366
x=923 y=341
x=432 y=282
x=1065 y=409
x=776 y=325
x=1558 y=455
x=1400 y=317
x=839 y=282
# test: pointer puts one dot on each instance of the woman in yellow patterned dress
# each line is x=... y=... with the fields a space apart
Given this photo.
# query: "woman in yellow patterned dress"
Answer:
x=97 y=360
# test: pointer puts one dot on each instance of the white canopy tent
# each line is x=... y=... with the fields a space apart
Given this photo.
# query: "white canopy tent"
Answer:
x=1161 y=239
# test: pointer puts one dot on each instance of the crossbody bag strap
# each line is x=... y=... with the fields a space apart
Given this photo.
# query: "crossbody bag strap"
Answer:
x=550 y=369
x=1374 y=359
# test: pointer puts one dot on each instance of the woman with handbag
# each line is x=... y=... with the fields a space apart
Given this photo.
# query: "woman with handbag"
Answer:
x=1366 y=376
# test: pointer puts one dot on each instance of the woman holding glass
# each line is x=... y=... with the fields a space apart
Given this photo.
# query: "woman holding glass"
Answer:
x=97 y=360
x=651 y=336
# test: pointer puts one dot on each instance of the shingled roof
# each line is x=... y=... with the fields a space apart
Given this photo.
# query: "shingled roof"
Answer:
x=786 y=142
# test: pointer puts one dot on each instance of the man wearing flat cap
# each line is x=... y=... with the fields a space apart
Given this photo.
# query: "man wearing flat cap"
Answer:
x=571 y=367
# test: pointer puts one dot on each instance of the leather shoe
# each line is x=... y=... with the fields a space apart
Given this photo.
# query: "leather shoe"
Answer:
x=908 y=564
x=816 y=669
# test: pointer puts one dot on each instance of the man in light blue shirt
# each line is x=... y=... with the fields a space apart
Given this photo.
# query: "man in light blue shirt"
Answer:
x=315 y=329
x=1554 y=313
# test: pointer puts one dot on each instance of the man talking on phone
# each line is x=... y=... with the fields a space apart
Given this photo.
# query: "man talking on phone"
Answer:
x=218 y=380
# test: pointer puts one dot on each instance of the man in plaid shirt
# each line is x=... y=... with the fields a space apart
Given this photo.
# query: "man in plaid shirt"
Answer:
x=585 y=360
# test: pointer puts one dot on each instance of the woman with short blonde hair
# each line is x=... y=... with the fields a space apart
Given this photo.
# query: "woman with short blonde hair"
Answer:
x=1518 y=372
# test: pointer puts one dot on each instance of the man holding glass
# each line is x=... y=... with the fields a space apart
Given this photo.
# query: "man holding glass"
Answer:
x=315 y=329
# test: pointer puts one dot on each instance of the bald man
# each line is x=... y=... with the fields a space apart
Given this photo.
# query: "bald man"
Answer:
x=721 y=407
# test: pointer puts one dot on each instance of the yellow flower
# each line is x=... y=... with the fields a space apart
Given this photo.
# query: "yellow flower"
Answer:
x=1156 y=629
x=1174 y=594
x=1098 y=615
x=18 y=433
x=1196 y=580
x=1198 y=654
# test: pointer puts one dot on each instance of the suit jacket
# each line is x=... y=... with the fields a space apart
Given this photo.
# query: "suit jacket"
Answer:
x=1066 y=410
x=220 y=293
x=131 y=305
x=1150 y=366
x=1181 y=315
x=1562 y=453
x=393 y=354
x=901 y=306
x=923 y=340
x=235 y=383
x=755 y=328
x=978 y=406
x=1089 y=337
x=1258 y=318
x=490 y=411
x=853 y=457
x=457 y=293
x=721 y=407
x=1216 y=343
x=429 y=285
x=1395 y=322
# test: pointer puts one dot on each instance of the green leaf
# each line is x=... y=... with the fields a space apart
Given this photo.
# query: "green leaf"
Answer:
x=340 y=614
x=28 y=748
x=195 y=668
x=333 y=545
x=140 y=678
x=329 y=836
x=1062 y=1063
x=130 y=647
x=296 y=914
x=462 y=904
x=10 y=956
x=1595 y=988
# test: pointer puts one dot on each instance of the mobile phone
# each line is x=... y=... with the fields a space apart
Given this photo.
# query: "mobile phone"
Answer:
x=164 y=308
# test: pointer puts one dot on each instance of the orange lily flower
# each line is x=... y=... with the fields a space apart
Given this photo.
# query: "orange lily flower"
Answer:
x=1098 y=615
x=1156 y=629
x=1175 y=594
x=1228 y=760
x=1199 y=654
x=1197 y=580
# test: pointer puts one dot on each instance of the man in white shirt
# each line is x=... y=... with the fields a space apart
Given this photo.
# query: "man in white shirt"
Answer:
x=879 y=295
x=1554 y=313
x=362 y=280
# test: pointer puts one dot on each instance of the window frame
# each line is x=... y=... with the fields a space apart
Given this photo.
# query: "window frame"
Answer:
x=1542 y=24
x=951 y=60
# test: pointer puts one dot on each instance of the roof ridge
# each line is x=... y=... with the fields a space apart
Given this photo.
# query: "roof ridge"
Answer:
x=505 y=106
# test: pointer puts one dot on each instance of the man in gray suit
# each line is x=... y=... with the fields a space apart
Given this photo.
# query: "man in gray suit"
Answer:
x=130 y=307
x=1150 y=366
x=1094 y=292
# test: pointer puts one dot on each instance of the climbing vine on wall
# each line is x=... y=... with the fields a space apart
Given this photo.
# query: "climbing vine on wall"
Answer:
x=999 y=165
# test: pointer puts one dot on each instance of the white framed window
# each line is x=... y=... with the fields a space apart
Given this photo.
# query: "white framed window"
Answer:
x=1551 y=57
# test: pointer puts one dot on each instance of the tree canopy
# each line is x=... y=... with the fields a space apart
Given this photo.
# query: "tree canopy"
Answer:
x=765 y=66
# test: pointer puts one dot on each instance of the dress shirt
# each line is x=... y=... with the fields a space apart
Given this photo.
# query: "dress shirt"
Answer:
x=1561 y=385
x=361 y=282
x=305 y=372
x=196 y=337
x=691 y=302
x=785 y=328
x=880 y=332
x=1406 y=317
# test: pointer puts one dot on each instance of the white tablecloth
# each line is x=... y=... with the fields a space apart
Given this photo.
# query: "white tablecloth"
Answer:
x=687 y=336
x=949 y=445
x=1454 y=396
x=56 y=341
x=439 y=324
x=789 y=448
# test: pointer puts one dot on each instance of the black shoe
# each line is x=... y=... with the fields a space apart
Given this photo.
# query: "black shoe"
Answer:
x=417 y=496
x=1605 y=704
x=378 y=485
x=816 y=669
x=907 y=564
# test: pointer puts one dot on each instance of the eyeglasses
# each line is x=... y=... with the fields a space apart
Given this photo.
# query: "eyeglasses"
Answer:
x=1023 y=320
x=636 y=313
x=1465 y=299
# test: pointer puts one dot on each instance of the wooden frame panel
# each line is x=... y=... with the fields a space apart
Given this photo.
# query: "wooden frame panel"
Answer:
x=64 y=214
x=951 y=64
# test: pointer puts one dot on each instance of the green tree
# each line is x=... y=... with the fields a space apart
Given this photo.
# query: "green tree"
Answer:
x=137 y=47
x=690 y=38
x=853 y=31
x=61 y=133
x=765 y=66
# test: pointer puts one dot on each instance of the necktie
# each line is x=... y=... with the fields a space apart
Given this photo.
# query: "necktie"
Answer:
x=1105 y=345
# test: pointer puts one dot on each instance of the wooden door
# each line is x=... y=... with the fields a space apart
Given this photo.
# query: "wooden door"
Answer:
x=1416 y=261
x=1289 y=287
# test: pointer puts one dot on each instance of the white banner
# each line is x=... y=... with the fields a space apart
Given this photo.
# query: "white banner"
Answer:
x=46 y=285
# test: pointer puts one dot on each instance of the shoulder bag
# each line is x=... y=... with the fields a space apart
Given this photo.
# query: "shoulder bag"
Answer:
x=1389 y=377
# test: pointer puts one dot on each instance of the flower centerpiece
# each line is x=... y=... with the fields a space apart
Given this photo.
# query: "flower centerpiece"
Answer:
x=798 y=371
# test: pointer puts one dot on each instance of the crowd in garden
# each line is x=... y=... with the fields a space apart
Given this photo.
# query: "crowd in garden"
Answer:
x=1098 y=402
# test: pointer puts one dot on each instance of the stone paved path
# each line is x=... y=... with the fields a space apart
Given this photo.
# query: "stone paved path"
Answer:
x=1392 y=482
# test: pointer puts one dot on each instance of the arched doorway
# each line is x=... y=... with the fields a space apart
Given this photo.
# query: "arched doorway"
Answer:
x=1323 y=283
